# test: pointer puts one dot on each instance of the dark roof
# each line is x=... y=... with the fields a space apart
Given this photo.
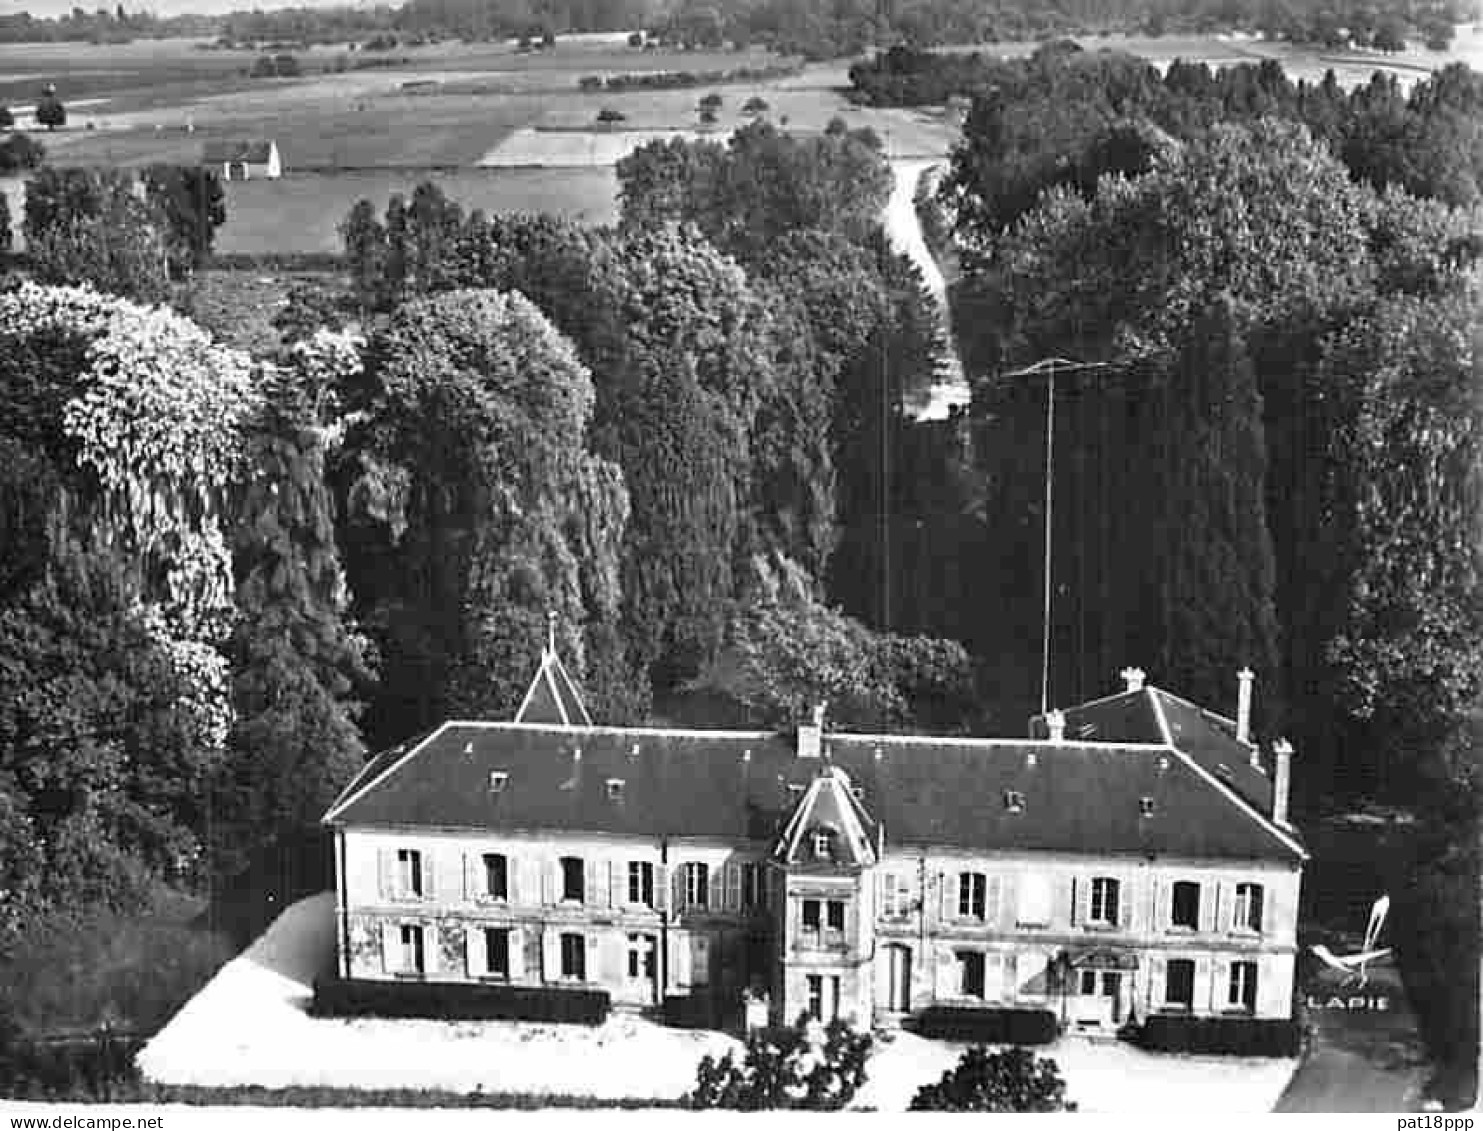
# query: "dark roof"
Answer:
x=1143 y=716
x=1078 y=796
x=253 y=151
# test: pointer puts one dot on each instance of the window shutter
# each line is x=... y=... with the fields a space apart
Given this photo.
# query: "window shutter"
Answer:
x=1084 y=899
x=592 y=875
x=715 y=888
x=1263 y=908
x=387 y=873
x=515 y=879
x=473 y=865
x=1008 y=900
x=1207 y=985
x=429 y=876
x=475 y=959
x=1011 y=977
x=1221 y=906
x=680 y=953
x=1163 y=894
x=1158 y=981
x=733 y=887
x=391 y=958
x=1276 y=922
x=944 y=897
x=661 y=886
x=432 y=948
x=591 y=972
x=517 y=954
x=549 y=888
x=1124 y=902
x=550 y=955
x=617 y=883
x=700 y=964
x=677 y=889
x=1076 y=916
x=883 y=901
x=946 y=976
x=993 y=894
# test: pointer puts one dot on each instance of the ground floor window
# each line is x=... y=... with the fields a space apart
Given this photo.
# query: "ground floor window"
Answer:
x=412 y=959
x=1088 y=983
x=641 y=951
x=1242 y=987
x=971 y=973
x=823 y=996
x=574 y=957
x=1179 y=983
x=497 y=951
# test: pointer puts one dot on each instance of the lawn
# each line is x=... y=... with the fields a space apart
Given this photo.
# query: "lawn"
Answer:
x=250 y=1026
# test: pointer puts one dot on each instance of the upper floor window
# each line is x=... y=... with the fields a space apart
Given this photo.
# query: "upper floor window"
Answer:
x=1246 y=915
x=812 y=909
x=1184 y=908
x=697 y=884
x=573 y=879
x=496 y=876
x=834 y=916
x=895 y=895
x=973 y=888
x=753 y=890
x=409 y=871
x=1105 y=892
x=641 y=883
x=1241 y=989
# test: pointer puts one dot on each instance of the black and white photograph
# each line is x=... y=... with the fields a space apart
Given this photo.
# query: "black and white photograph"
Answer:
x=679 y=556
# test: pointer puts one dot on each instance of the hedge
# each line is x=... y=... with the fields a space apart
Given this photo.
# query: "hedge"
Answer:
x=988 y=1026
x=350 y=997
x=1239 y=1036
x=695 y=1011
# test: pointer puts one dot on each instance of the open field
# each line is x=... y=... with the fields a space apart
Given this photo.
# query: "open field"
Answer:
x=250 y=1026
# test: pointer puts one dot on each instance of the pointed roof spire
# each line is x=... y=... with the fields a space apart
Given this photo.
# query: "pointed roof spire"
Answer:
x=552 y=698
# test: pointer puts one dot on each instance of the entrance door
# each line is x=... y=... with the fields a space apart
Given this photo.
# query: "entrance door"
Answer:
x=643 y=966
x=898 y=978
x=1098 y=1001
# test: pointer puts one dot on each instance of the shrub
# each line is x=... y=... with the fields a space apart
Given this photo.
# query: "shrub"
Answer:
x=635 y=39
x=711 y=101
x=608 y=114
x=1014 y=1080
x=807 y=1067
x=7 y=119
x=49 y=110
x=1237 y=1036
x=990 y=1026
x=349 y=997
x=590 y=82
x=755 y=105
x=18 y=152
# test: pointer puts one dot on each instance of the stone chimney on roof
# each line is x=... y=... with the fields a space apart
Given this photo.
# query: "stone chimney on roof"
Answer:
x=1055 y=722
x=811 y=734
x=1282 y=781
x=1244 y=679
x=1132 y=679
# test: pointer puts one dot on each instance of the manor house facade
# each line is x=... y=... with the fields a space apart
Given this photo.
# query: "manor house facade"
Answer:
x=1133 y=856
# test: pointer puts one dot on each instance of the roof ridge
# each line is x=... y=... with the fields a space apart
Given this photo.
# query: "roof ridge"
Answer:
x=1190 y=703
x=342 y=803
x=1235 y=799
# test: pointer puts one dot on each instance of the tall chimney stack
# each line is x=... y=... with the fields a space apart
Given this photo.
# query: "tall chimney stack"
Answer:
x=1055 y=722
x=811 y=734
x=1132 y=679
x=1244 y=679
x=1282 y=783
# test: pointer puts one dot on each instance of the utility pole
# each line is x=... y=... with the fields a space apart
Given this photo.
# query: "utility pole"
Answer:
x=1050 y=366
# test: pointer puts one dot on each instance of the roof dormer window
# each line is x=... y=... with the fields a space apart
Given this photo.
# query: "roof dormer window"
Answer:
x=615 y=789
x=1145 y=806
x=1014 y=801
x=498 y=779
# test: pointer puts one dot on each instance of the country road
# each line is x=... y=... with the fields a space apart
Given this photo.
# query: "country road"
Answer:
x=904 y=231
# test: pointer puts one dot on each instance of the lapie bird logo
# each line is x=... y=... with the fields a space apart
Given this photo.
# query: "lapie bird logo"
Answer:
x=1343 y=981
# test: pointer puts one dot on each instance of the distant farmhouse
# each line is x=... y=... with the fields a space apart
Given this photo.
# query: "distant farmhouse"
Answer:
x=243 y=160
x=1133 y=857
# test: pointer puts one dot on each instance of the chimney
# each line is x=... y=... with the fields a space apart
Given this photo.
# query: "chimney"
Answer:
x=1244 y=678
x=1056 y=723
x=810 y=735
x=1132 y=679
x=1282 y=784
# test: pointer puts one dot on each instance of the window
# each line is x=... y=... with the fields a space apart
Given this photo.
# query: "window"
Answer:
x=615 y=789
x=812 y=909
x=573 y=879
x=574 y=957
x=409 y=871
x=498 y=779
x=497 y=951
x=641 y=882
x=1247 y=914
x=1242 y=992
x=823 y=997
x=1104 y=900
x=411 y=949
x=697 y=884
x=1145 y=806
x=754 y=894
x=971 y=973
x=1088 y=983
x=972 y=895
x=896 y=896
x=1184 y=908
x=1014 y=801
x=641 y=951
x=496 y=876
x=1179 y=983
x=834 y=916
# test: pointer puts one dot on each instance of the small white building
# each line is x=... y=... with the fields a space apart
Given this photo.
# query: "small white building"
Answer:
x=242 y=160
